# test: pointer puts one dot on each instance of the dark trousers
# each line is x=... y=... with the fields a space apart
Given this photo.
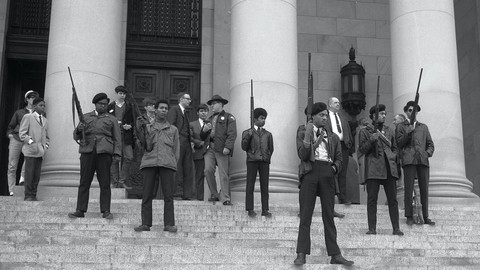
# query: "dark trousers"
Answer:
x=33 y=166
x=342 y=175
x=423 y=174
x=89 y=164
x=390 y=186
x=184 y=174
x=263 y=169
x=200 y=178
x=320 y=181
x=150 y=177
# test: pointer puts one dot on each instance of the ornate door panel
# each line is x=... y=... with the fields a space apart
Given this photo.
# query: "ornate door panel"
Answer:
x=164 y=84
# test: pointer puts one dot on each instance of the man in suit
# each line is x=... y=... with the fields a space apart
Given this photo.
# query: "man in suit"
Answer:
x=178 y=116
x=102 y=141
x=321 y=158
x=199 y=149
x=222 y=130
x=123 y=111
x=416 y=146
x=339 y=125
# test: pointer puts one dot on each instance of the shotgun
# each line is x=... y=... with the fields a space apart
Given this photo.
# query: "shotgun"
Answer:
x=76 y=106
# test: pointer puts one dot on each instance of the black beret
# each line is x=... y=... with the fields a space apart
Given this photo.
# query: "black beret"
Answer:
x=318 y=107
x=411 y=103
x=100 y=96
x=202 y=106
x=120 y=88
x=381 y=108
x=37 y=100
x=259 y=112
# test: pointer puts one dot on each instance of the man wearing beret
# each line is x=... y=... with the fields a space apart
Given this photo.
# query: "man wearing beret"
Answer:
x=321 y=159
x=102 y=141
x=123 y=111
x=416 y=146
x=222 y=129
x=15 y=146
x=377 y=144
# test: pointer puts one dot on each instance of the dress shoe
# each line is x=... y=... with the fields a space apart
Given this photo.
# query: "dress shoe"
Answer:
x=142 y=228
x=345 y=202
x=213 y=199
x=266 y=214
x=76 y=214
x=186 y=199
x=11 y=193
x=300 y=260
x=339 y=259
x=251 y=213
x=409 y=221
x=397 y=232
x=372 y=231
x=107 y=215
x=338 y=215
x=229 y=203
x=21 y=182
x=30 y=199
x=172 y=229
x=429 y=222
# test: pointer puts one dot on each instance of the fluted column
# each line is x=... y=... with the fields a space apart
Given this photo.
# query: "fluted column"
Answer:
x=423 y=36
x=86 y=36
x=264 y=49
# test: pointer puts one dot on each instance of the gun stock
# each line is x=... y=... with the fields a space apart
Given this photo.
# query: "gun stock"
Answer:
x=76 y=106
x=376 y=104
x=417 y=97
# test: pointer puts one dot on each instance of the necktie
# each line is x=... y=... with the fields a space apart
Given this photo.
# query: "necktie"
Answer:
x=40 y=117
x=339 y=129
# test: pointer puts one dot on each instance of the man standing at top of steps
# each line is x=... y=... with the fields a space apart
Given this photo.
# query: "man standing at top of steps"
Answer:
x=102 y=141
x=321 y=158
x=416 y=146
x=377 y=143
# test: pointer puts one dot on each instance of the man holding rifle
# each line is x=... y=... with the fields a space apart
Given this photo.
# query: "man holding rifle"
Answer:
x=416 y=146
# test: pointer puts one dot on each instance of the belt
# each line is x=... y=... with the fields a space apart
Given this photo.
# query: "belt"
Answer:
x=323 y=162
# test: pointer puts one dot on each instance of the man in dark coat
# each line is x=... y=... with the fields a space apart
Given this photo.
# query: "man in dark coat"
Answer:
x=102 y=141
x=199 y=149
x=123 y=111
x=321 y=158
x=339 y=125
x=222 y=130
x=378 y=145
x=416 y=146
x=178 y=116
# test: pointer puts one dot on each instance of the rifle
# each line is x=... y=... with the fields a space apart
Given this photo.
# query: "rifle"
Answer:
x=417 y=97
x=252 y=107
x=76 y=105
x=376 y=104
x=310 y=90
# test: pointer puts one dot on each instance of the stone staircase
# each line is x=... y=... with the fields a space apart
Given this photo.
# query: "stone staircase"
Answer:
x=39 y=235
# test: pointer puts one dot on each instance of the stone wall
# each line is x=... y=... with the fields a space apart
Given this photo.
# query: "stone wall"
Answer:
x=327 y=29
x=467 y=22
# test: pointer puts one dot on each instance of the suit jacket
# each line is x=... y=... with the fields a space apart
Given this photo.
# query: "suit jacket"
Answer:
x=181 y=122
x=416 y=145
x=347 y=133
x=128 y=118
x=102 y=132
x=306 y=153
x=378 y=155
x=198 y=149
x=30 y=128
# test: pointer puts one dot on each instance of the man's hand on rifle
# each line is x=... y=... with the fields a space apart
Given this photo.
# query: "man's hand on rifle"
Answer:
x=308 y=132
x=374 y=137
x=80 y=127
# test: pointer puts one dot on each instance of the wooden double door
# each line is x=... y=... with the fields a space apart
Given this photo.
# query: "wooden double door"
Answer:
x=164 y=84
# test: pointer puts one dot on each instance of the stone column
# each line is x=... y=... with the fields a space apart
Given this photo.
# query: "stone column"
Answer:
x=85 y=36
x=423 y=36
x=264 y=49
